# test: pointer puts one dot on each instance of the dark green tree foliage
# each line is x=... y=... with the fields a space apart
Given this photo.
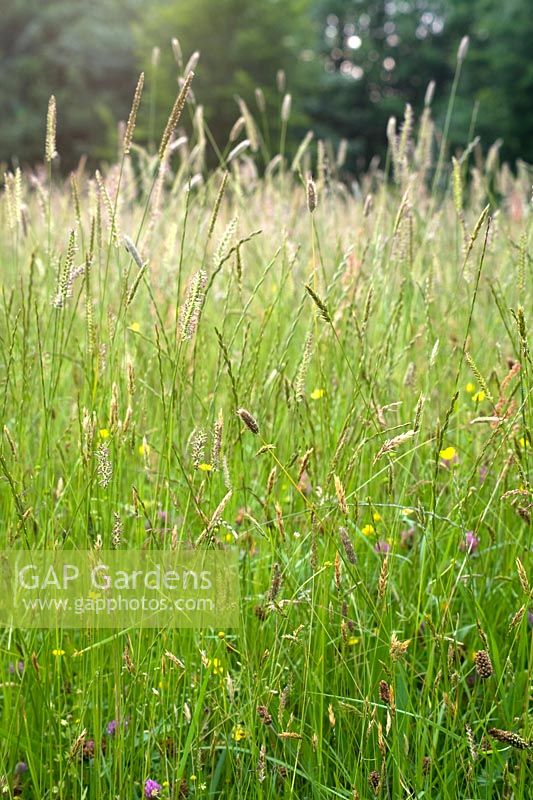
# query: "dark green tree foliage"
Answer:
x=498 y=73
x=242 y=44
x=350 y=64
x=377 y=56
x=83 y=52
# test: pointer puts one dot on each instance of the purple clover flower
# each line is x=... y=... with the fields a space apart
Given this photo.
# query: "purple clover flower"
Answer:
x=152 y=788
x=89 y=747
x=470 y=543
x=407 y=536
x=114 y=724
x=382 y=547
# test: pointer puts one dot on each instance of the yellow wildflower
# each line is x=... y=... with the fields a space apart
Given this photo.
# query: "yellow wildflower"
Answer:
x=135 y=327
x=58 y=653
x=103 y=433
x=238 y=733
x=447 y=454
x=478 y=397
x=376 y=516
x=470 y=387
x=205 y=467
x=367 y=530
x=216 y=666
x=317 y=394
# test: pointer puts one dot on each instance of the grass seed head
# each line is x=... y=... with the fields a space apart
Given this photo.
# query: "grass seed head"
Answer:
x=374 y=780
x=248 y=419
x=132 y=119
x=311 y=195
x=483 y=664
x=324 y=313
x=385 y=692
x=264 y=715
x=51 y=126
x=175 y=115
x=510 y=738
x=348 y=546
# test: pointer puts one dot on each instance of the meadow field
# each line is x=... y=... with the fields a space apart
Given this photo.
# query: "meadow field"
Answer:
x=330 y=377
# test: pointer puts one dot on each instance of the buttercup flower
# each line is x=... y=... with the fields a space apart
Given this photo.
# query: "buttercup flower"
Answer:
x=238 y=733
x=367 y=530
x=448 y=456
x=216 y=666
x=317 y=394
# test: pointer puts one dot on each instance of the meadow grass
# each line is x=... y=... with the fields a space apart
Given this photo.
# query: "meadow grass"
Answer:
x=378 y=341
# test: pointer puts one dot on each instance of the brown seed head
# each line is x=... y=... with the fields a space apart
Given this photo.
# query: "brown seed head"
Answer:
x=264 y=715
x=311 y=195
x=510 y=738
x=385 y=692
x=483 y=664
x=248 y=419
x=348 y=546
x=374 y=779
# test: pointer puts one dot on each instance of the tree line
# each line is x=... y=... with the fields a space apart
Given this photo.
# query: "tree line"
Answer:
x=346 y=65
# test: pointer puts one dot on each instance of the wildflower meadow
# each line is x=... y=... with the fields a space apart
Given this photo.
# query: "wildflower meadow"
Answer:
x=237 y=350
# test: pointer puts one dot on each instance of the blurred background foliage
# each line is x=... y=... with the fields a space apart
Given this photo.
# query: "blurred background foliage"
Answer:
x=348 y=65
